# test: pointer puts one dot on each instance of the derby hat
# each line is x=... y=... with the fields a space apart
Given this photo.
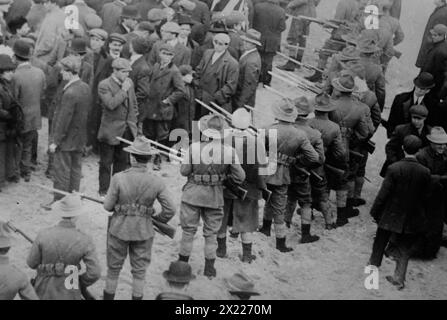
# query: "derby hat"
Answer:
x=344 y=83
x=240 y=119
x=424 y=81
x=130 y=12
x=303 y=106
x=213 y=126
x=286 y=111
x=240 y=283
x=78 y=45
x=252 y=36
x=419 y=111
x=22 y=49
x=184 y=19
x=322 y=103
x=69 y=206
x=141 y=146
x=5 y=235
x=179 y=272
x=437 y=135
x=6 y=63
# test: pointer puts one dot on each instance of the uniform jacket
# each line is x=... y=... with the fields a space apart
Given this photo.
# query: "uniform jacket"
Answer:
x=111 y=15
x=218 y=81
x=270 y=20
x=13 y=282
x=29 y=86
x=119 y=111
x=140 y=75
x=65 y=245
x=249 y=70
x=292 y=146
x=209 y=194
x=69 y=131
x=400 y=204
x=439 y=16
x=400 y=110
x=182 y=54
x=130 y=194
x=369 y=98
x=436 y=65
x=164 y=84
x=375 y=79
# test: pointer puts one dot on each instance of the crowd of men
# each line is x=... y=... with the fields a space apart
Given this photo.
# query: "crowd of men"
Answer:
x=117 y=84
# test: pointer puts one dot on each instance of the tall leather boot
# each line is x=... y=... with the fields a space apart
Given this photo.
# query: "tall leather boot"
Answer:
x=288 y=66
x=281 y=245
x=351 y=212
x=108 y=296
x=183 y=258
x=266 y=227
x=221 y=251
x=306 y=237
x=341 y=217
x=210 y=271
x=247 y=256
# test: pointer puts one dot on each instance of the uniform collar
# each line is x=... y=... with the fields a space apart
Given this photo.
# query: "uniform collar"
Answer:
x=67 y=223
x=4 y=259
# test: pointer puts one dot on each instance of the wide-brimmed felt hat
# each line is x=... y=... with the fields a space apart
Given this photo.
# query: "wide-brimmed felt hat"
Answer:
x=6 y=63
x=286 y=111
x=240 y=283
x=437 y=135
x=303 y=106
x=240 y=119
x=252 y=36
x=141 y=146
x=5 y=235
x=22 y=49
x=213 y=126
x=419 y=111
x=367 y=45
x=344 y=83
x=179 y=272
x=69 y=206
x=424 y=81
x=349 y=53
x=322 y=103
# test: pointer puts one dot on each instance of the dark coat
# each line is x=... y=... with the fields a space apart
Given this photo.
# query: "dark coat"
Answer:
x=400 y=111
x=218 y=81
x=270 y=20
x=400 y=204
x=249 y=70
x=69 y=130
x=7 y=102
x=182 y=54
x=436 y=65
x=439 y=16
x=185 y=110
x=201 y=13
x=140 y=77
x=111 y=15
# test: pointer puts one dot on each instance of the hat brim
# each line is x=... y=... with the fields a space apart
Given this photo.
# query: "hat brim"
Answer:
x=256 y=42
x=169 y=277
x=132 y=150
x=233 y=290
x=251 y=293
x=418 y=84
x=66 y=214
x=419 y=116
x=438 y=140
x=336 y=84
x=23 y=56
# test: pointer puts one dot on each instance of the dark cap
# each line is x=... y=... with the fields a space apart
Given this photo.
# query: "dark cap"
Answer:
x=6 y=63
x=419 y=111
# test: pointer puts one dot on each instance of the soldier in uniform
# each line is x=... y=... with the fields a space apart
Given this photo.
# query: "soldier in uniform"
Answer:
x=13 y=280
x=131 y=198
x=356 y=126
x=58 y=251
x=202 y=195
x=244 y=213
x=293 y=148
x=300 y=190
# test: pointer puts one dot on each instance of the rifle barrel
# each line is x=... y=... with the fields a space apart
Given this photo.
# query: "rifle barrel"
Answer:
x=16 y=230
x=299 y=63
x=160 y=151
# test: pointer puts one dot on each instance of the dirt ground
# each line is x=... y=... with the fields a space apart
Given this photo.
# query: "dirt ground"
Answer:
x=332 y=268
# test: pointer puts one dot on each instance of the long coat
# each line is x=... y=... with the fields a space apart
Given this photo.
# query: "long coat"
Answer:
x=140 y=75
x=249 y=70
x=119 y=111
x=439 y=16
x=182 y=54
x=400 y=204
x=436 y=65
x=270 y=20
x=53 y=250
x=111 y=15
x=29 y=86
x=218 y=81
x=185 y=110
x=69 y=131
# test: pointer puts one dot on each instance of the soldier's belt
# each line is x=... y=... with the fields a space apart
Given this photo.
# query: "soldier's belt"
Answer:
x=52 y=269
x=134 y=210
x=285 y=160
x=207 y=179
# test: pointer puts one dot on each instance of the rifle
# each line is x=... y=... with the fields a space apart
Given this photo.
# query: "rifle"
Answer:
x=301 y=84
x=291 y=82
x=160 y=227
x=84 y=291
x=324 y=23
x=308 y=66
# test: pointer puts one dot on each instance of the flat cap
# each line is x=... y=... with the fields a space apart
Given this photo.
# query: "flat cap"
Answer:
x=99 y=33
x=171 y=27
x=155 y=14
x=92 y=21
x=440 y=29
x=71 y=63
x=117 y=37
x=419 y=111
x=121 y=64
x=145 y=26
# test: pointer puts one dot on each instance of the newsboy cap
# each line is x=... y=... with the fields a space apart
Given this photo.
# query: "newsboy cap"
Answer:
x=166 y=48
x=419 y=111
x=117 y=37
x=170 y=27
x=71 y=63
x=99 y=33
x=121 y=64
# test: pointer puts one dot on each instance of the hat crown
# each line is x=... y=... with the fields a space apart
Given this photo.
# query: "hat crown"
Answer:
x=286 y=111
x=419 y=110
x=241 y=282
x=22 y=48
x=302 y=105
x=121 y=63
x=437 y=135
x=240 y=119
x=70 y=205
x=78 y=45
x=180 y=269
x=171 y=27
x=424 y=80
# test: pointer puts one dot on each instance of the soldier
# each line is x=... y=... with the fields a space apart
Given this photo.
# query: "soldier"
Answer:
x=416 y=127
x=58 y=251
x=131 y=198
x=356 y=126
x=300 y=190
x=12 y=279
x=270 y=20
x=299 y=28
x=202 y=196
x=249 y=70
x=119 y=119
x=293 y=147
x=334 y=150
x=244 y=213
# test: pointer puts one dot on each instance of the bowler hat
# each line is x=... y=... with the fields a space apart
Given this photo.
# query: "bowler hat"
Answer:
x=322 y=103
x=130 y=11
x=179 y=272
x=344 y=83
x=99 y=33
x=303 y=106
x=78 y=45
x=240 y=119
x=285 y=111
x=437 y=135
x=6 y=63
x=252 y=36
x=5 y=235
x=22 y=49
x=419 y=111
x=424 y=81
x=141 y=146
x=213 y=126
x=240 y=283
x=121 y=64
x=184 y=19
x=69 y=206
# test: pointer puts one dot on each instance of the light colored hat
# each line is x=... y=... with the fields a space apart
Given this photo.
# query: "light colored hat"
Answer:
x=99 y=33
x=171 y=27
x=303 y=106
x=5 y=235
x=240 y=119
x=344 y=83
x=71 y=63
x=439 y=29
x=240 y=283
x=437 y=135
x=222 y=37
x=213 y=126
x=155 y=14
x=92 y=21
x=121 y=64
x=141 y=146
x=322 y=103
x=69 y=206
x=286 y=111
x=252 y=36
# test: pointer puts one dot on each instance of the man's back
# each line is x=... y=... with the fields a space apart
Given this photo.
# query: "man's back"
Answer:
x=13 y=282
